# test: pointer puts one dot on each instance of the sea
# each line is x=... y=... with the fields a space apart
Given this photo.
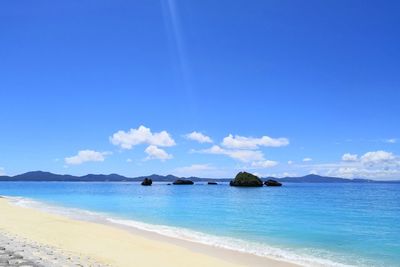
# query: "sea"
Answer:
x=311 y=224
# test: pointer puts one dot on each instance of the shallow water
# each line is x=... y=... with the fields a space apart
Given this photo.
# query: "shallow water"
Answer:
x=313 y=224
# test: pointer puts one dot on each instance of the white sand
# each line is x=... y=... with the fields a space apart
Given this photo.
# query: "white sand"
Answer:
x=107 y=244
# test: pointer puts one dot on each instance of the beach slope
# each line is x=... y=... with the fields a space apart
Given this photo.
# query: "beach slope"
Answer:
x=111 y=245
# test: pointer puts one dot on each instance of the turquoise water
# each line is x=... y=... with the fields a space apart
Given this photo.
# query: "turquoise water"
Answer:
x=313 y=224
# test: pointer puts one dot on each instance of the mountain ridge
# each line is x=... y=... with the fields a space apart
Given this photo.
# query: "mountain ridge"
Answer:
x=42 y=176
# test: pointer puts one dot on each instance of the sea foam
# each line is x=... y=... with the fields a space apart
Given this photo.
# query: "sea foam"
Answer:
x=254 y=248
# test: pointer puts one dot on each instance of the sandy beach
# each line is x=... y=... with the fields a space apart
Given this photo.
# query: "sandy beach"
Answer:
x=96 y=244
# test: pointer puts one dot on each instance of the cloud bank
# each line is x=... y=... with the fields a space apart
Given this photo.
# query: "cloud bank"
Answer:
x=379 y=165
x=86 y=156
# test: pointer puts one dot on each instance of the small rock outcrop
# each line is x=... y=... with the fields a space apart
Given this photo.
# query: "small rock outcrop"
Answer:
x=182 y=182
x=246 y=179
x=212 y=183
x=147 y=181
x=272 y=183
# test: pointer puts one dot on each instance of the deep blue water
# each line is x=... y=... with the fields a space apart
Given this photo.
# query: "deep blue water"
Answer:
x=353 y=224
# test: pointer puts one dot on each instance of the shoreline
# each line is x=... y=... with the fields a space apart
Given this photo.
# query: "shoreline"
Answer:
x=118 y=245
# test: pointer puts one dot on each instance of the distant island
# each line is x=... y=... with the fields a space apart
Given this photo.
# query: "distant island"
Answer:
x=40 y=176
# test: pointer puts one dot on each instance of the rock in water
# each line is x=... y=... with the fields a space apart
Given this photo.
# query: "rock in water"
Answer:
x=272 y=183
x=182 y=182
x=147 y=181
x=213 y=183
x=246 y=179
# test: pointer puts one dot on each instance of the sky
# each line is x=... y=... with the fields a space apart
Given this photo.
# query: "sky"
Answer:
x=200 y=88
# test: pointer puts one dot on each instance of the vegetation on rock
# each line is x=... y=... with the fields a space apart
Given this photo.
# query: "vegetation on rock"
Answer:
x=147 y=181
x=271 y=182
x=246 y=179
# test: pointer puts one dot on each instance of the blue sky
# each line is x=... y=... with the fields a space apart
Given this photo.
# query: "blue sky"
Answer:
x=280 y=87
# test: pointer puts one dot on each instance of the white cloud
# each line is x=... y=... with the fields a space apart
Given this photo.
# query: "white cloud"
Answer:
x=377 y=157
x=154 y=152
x=2 y=171
x=264 y=164
x=349 y=157
x=290 y=162
x=307 y=159
x=205 y=171
x=86 y=156
x=195 y=170
x=346 y=172
x=199 y=137
x=379 y=165
x=238 y=154
x=371 y=173
x=288 y=174
x=141 y=135
x=128 y=160
x=391 y=141
x=246 y=155
x=242 y=142
x=280 y=175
